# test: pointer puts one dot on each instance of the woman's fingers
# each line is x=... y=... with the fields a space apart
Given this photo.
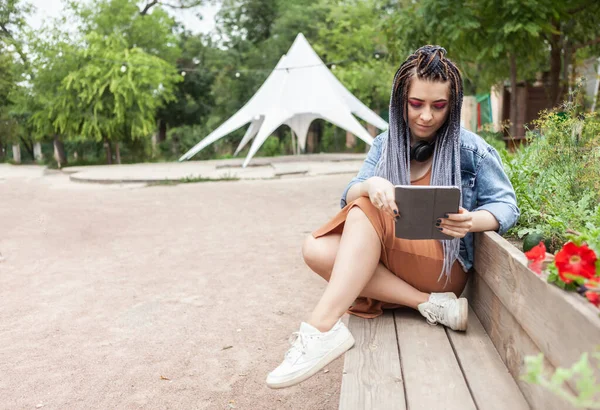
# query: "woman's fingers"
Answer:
x=391 y=203
x=453 y=231
x=454 y=225
x=377 y=200
x=450 y=232
x=382 y=201
x=462 y=215
x=457 y=226
x=386 y=207
x=381 y=193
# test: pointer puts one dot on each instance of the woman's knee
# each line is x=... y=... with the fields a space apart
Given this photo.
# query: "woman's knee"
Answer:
x=317 y=254
x=372 y=229
x=356 y=214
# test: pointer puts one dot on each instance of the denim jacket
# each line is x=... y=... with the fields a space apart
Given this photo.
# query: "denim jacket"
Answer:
x=484 y=185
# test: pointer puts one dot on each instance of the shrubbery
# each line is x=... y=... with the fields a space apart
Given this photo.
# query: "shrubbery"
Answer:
x=556 y=176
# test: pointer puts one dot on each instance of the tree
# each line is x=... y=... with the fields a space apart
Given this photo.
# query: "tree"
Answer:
x=193 y=99
x=56 y=57
x=12 y=23
x=493 y=41
x=115 y=92
x=14 y=66
x=478 y=36
x=7 y=84
x=146 y=25
x=7 y=77
x=247 y=61
x=575 y=30
x=351 y=37
x=147 y=5
x=152 y=32
x=248 y=20
x=80 y=91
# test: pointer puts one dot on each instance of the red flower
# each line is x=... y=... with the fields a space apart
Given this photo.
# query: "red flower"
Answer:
x=575 y=261
x=593 y=297
x=536 y=256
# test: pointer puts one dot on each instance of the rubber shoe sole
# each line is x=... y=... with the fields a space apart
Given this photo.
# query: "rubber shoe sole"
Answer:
x=463 y=307
x=325 y=360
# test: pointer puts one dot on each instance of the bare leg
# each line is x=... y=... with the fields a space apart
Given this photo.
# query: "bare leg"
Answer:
x=384 y=285
x=357 y=272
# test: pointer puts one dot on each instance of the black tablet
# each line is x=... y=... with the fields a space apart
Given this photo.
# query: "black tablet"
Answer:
x=420 y=206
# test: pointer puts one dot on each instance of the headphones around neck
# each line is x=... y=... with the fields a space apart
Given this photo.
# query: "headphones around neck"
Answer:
x=421 y=151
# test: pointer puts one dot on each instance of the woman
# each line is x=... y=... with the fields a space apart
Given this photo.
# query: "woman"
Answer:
x=357 y=251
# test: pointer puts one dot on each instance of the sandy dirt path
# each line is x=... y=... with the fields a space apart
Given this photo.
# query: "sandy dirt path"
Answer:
x=163 y=297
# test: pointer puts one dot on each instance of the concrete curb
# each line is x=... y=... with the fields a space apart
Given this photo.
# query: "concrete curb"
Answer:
x=266 y=168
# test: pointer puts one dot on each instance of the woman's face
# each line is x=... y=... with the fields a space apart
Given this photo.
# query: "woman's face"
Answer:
x=428 y=107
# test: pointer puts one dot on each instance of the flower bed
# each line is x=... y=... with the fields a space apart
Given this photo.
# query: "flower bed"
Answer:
x=529 y=319
x=575 y=266
x=542 y=313
x=556 y=177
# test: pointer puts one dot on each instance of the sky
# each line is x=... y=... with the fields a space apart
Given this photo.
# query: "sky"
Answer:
x=52 y=8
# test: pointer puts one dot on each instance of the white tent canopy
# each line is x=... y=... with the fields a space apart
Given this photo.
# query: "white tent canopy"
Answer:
x=299 y=90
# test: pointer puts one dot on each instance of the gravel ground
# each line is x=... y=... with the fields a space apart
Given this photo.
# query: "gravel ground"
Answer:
x=161 y=297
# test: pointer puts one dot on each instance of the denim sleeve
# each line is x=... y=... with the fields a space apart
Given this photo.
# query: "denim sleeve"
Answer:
x=368 y=168
x=495 y=193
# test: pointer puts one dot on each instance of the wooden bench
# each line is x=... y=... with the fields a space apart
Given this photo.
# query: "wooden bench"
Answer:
x=401 y=362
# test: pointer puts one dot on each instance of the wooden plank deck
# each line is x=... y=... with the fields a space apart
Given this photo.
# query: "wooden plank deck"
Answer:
x=401 y=362
x=515 y=313
x=374 y=365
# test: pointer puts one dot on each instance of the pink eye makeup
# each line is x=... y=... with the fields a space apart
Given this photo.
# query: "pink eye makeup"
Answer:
x=419 y=104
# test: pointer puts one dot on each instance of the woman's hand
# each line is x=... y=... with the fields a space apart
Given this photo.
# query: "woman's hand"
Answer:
x=457 y=225
x=381 y=194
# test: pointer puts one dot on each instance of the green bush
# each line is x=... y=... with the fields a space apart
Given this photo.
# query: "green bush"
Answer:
x=556 y=176
x=270 y=148
x=581 y=374
x=493 y=138
x=333 y=139
x=181 y=139
x=328 y=141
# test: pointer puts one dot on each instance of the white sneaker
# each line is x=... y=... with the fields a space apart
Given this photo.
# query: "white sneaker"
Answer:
x=446 y=309
x=311 y=351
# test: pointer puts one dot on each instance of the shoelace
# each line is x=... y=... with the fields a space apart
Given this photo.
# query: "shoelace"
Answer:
x=298 y=342
x=433 y=313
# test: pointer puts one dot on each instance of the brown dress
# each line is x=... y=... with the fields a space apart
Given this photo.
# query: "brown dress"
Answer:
x=417 y=262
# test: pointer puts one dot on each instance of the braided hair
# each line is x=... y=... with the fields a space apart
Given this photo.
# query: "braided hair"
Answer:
x=427 y=63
